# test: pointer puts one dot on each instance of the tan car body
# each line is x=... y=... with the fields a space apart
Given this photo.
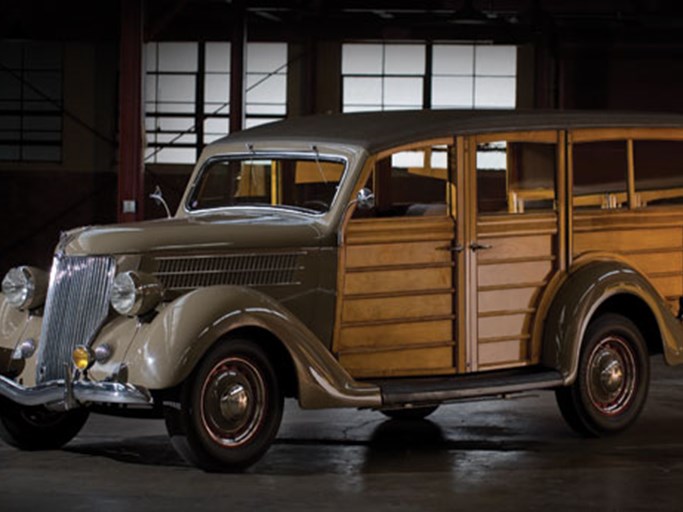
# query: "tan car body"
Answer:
x=161 y=352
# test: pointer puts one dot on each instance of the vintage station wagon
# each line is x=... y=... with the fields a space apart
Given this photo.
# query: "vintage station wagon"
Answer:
x=393 y=261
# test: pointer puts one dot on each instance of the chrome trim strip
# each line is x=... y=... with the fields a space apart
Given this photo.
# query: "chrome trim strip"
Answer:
x=83 y=391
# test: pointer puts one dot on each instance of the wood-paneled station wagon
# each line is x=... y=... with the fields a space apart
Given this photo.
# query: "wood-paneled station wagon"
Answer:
x=393 y=261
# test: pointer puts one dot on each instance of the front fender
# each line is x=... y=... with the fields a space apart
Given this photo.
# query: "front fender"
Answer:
x=165 y=351
x=584 y=290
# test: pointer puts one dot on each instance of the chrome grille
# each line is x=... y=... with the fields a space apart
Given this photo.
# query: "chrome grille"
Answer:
x=242 y=270
x=77 y=305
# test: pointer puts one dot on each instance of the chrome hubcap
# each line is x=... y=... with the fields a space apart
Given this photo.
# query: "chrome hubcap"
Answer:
x=233 y=402
x=611 y=376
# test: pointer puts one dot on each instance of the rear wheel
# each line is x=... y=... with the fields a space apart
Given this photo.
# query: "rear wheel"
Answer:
x=229 y=410
x=37 y=428
x=612 y=381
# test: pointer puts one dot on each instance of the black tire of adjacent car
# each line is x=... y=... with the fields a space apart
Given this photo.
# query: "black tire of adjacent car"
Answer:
x=36 y=428
x=227 y=413
x=414 y=413
x=613 y=378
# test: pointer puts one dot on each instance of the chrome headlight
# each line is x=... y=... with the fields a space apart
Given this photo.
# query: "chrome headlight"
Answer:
x=25 y=287
x=135 y=293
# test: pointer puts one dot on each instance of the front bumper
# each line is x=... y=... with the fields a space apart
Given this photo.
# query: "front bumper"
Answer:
x=75 y=393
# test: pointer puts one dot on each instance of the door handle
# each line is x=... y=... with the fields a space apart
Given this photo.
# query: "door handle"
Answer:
x=476 y=246
x=452 y=248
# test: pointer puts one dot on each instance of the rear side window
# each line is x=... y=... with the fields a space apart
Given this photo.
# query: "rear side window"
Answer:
x=658 y=167
x=600 y=174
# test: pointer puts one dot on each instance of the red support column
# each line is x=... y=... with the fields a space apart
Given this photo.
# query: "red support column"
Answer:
x=131 y=183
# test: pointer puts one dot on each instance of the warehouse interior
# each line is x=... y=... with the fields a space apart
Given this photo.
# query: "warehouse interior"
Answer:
x=103 y=103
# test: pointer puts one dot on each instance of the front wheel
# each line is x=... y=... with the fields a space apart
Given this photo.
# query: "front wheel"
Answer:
x=229 y=410
x=37 y=428
x=612 y=381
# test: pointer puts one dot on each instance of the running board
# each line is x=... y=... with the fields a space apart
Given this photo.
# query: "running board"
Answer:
x=403 y=391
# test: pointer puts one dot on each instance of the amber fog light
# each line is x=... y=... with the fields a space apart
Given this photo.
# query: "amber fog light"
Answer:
x=82 y=357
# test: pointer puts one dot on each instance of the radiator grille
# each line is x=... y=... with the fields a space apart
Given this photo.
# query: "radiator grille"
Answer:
x=241 y=270
x=77 y=305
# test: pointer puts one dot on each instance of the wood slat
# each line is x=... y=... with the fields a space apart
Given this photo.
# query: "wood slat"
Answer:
x=398 y=280
x=413 y=306
x=658 y=262
x=503 y=352
x=399 y=229
x=375 y=255
x=506 y=325
x=512 y=273
x=518 y=247
x=668 y=286
x=395 y=335
x=500 y=300
x=435 y=360
x=639 y=239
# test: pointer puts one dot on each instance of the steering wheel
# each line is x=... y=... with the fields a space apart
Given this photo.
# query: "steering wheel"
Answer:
x=316 y=204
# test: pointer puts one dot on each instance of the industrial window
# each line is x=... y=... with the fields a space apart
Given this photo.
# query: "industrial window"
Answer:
x=401 y=76
x=31 y=101
x=187 y=94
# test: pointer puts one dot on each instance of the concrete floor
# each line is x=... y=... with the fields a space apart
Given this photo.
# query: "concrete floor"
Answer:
x=514 y=454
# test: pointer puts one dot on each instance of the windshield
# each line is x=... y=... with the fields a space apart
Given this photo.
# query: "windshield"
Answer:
x=294 y=182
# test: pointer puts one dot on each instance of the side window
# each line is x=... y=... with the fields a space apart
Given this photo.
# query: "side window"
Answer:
x=658 y=167
x=600 y=174
x=515 y=177
x=411 y=183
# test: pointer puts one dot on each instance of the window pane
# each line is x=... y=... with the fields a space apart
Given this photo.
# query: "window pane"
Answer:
x=176 y=88
x=494 y=92
x=404 y=59
x=600 y=172
x=264 y=88
x=514 y=177
x=453 y=92
x=496 y=60
x=266 y=57
x=362 y=91
x=217 y=88
x=217 y=57
x=453 y=59
x=407 y=184
x=658 y=171
x=362 y=59
x=179 y=57
x=405 y=92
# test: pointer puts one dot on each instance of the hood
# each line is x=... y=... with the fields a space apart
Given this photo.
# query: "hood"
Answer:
x=201 y=233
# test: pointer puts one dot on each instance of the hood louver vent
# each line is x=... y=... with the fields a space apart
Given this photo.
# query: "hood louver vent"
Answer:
x=183 y=273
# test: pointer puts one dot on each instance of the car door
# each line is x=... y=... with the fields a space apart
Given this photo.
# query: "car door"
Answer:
x=396 y=313
x=515 y=242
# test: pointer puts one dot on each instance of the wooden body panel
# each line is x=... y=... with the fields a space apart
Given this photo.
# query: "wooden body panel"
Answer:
x=651 y=240
x=396 y=309
x=512 y=275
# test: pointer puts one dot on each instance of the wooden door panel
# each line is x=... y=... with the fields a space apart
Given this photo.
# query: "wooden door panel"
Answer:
x=396 y=310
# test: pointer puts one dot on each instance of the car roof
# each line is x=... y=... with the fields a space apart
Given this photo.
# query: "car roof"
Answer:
x=376 y=131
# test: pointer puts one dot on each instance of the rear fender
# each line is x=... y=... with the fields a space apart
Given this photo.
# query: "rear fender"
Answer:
x=585 y=289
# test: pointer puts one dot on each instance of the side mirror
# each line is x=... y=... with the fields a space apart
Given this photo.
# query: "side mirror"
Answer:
x=365 y=199
x=159 y=199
